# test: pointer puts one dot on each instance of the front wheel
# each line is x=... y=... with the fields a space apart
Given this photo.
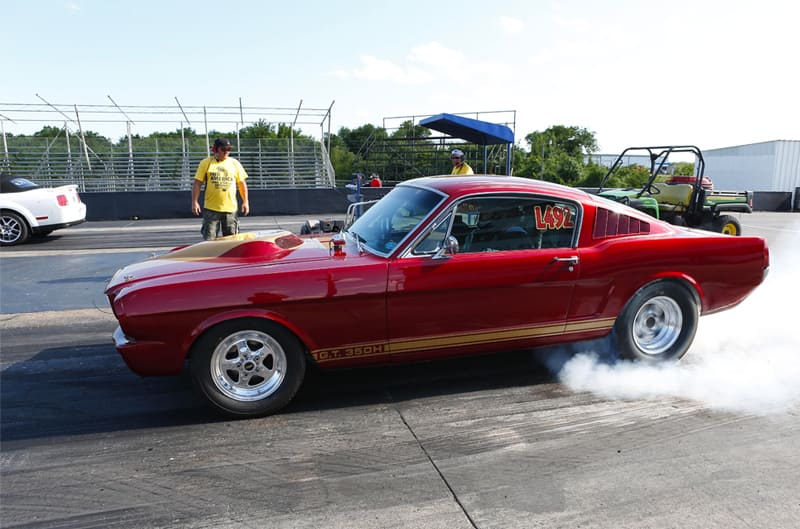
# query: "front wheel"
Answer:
x=727 y=225
x=248 y=368
x=658 y=324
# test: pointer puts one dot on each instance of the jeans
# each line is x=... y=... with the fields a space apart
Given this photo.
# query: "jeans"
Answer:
x=214 y=220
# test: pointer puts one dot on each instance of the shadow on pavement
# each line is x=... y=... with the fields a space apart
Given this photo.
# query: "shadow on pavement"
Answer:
x=88 y=389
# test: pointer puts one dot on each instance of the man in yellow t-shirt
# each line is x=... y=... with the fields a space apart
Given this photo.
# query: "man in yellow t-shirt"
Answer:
x=460 y=167
x=222 y=176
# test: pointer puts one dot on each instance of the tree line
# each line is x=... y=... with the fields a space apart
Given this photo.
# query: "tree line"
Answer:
x=560 y=154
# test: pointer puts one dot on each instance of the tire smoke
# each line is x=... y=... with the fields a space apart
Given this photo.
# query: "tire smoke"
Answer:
x=745 y=360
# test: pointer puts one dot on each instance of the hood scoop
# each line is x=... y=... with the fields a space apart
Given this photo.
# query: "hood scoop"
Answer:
x=262 y=244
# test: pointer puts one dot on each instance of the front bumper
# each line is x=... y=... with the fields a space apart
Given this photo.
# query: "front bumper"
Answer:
x=148 y=358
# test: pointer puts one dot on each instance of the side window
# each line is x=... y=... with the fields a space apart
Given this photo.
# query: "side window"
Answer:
x=554 y=223
x=433 y=242
x=495 y=224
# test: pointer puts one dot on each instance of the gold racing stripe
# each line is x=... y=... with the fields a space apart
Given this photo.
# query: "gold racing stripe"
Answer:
x=591 y=325
x=456 y=340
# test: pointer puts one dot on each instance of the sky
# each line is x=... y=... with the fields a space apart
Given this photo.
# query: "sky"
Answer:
x=708 y=73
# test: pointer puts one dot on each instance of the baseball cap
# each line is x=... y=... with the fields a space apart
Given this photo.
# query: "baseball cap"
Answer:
x=223 y=143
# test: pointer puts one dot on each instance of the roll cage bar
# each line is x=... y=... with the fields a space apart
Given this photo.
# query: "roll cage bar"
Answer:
x=659 y=155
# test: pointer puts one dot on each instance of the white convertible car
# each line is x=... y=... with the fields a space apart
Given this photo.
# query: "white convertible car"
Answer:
x=27 y=210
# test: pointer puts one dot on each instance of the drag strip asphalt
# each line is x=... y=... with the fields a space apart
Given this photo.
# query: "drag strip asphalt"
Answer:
x=481 y=442
x=69 y=269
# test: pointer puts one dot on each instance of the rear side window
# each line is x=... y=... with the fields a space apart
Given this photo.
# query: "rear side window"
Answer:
x=513 y=223
x=15 y=185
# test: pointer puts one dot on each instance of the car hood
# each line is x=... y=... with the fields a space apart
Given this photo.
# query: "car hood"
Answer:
x=265 y=248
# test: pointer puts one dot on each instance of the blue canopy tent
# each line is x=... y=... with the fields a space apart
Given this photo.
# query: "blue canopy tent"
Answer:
x=474 y=131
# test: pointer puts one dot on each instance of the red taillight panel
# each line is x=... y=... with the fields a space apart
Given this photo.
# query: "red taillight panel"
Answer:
x=62 y=200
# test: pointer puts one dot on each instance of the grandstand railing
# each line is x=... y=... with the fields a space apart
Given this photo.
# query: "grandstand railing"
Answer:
x=270 y=164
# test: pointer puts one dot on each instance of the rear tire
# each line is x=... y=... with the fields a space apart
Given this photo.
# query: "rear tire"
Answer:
x=13 y=229
x=658 y=324
x=727 y=225
x=248 y=368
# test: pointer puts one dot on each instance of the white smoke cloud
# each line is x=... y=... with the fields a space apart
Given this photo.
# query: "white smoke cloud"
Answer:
x=746 y=359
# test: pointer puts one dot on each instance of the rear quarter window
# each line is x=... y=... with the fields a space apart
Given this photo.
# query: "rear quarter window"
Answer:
x=16 y=185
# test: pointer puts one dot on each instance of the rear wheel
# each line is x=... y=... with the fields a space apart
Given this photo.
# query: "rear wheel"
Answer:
x=727 y=225
x=13 y=229
x=658 y=324
x=248 y=367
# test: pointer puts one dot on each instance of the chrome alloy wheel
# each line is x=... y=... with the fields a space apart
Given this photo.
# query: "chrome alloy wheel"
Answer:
x=248 y=365
x=657 y=325
x=10 y=229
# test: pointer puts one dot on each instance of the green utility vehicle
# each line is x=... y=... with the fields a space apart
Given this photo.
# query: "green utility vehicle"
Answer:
x=695 y=204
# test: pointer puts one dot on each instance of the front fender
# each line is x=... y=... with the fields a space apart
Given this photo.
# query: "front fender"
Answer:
x=238 y=314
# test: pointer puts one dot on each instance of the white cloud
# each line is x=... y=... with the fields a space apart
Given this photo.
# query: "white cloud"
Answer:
x=424 y=63
x=572 y=23
x=435 y=54
x=542 y=57
x=72 y=6
x=511 y=25
x=375 y=69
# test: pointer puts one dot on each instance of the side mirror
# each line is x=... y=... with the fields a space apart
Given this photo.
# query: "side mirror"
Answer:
x=450 y=247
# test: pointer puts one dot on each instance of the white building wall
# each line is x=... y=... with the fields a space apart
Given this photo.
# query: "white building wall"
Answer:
x=787 y=165
x=767 y=166
x=609 y=159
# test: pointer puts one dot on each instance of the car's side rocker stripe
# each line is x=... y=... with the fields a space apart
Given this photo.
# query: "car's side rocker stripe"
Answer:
x=361 y=350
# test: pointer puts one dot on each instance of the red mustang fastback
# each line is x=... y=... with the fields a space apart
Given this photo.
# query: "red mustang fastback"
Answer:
x=441 y=266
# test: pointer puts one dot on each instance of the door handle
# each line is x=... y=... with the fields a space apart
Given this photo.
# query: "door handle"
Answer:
x=573 y=260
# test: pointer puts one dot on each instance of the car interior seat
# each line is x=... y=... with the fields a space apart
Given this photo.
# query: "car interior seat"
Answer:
x=556 y=238
x=513 y=238
x=462 y=233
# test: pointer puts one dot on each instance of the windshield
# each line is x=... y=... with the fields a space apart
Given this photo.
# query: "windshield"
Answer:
x=387 y=223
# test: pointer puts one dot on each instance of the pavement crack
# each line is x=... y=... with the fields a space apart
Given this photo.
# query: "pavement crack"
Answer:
x=433 y=464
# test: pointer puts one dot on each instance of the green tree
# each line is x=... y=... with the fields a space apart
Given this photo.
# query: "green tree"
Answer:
x=285 y=131
x=408 y=130
x=48 y=132
x=557 y=154
x=343 y=160
x=592 y=174
x=258 y=130
x=359 y=139
x=629 y=176
x=683 y=168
